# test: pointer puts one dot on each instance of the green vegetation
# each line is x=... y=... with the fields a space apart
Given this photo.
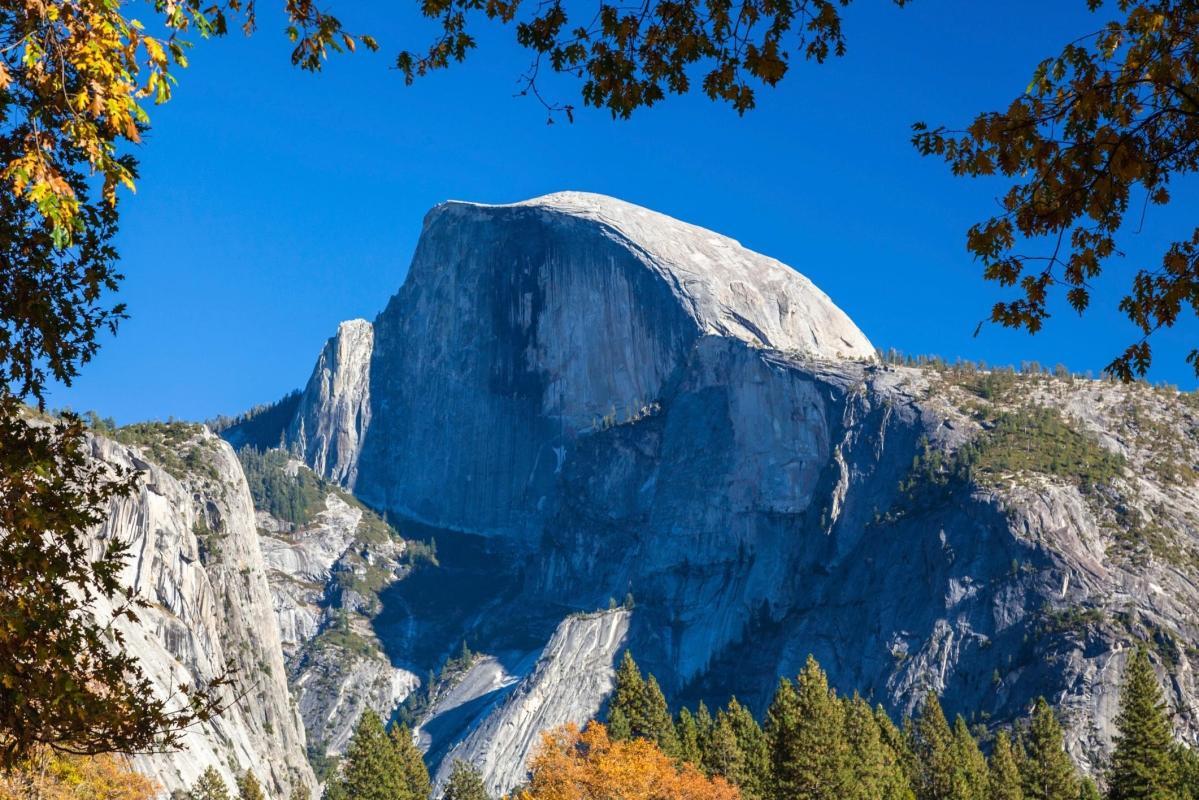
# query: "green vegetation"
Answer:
x=323 y=764
x=1073 y=620
x=1036 y=440
x=210 y=786
x=417 y=552
x=379 y=766
x=1046 y=771
x=371 y=529
x=207 y=540
x=294 y=498
x=1137 y=536
x=1031 y=441
x=248 y=787
x=465 y=783
x=818 y=745
x=996 y=382
x=105 y=426
x=1021 y=437
x=1174 y=461
x=638 y=709
x=805 y=726
x=412 y=763
x=374 y=530
x=1144 y=764
x=261 y=427
x=339 y=634
x=178 y=447
x=355 y=574
x=298 y=495
x=1039 y=440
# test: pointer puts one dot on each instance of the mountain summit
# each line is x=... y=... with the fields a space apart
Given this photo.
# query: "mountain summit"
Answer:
x=727 y=289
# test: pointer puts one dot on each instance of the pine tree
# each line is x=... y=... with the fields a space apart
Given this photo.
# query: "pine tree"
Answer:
x=755 y=751
x=688 y=736
x=1004 y=774
x=806 y=726
x=414 y=775
x=639 y=702
x=248 y=787
x=721 y=754
x=619 y=729
x=932 y=746
x=865 y=749
x=899 y=748
x=371 y=769
x=897 y=783
x=210 y=786
x=704 y=723
x=969 y=765
x=1046 y=770
x=1186 y=770
x=657 y=725
x=782 y=727
x=300 y=792
x=465 y=783
x=624 y=712
x=1087 y=790
x=873 y=769
x=334 y=789
x=1142 y=764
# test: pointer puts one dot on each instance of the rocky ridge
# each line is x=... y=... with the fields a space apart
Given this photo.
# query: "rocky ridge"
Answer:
x=335 y=410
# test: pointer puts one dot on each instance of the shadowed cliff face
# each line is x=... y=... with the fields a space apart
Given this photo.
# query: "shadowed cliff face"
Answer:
x=743 y=518
x=618 y=403
x=531 y=351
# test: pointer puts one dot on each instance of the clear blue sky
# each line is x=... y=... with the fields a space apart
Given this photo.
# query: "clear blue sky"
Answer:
x=275 y=203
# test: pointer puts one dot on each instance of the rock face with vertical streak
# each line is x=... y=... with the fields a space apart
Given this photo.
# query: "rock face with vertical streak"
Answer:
x=334 y=410
x=196 y=560
x=525 y=326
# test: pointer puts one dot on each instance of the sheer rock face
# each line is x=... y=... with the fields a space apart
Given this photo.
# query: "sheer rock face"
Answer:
x=334 y=410
x=196 y=560
x=522 y=327
x=621 y=403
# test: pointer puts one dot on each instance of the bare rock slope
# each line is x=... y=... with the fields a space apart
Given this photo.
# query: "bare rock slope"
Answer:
x=570 y=681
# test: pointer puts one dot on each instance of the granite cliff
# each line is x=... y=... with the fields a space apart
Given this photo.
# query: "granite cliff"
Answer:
x=196 y=560
x=626 y=431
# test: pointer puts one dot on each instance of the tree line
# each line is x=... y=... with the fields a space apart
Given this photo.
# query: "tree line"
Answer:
x=811 y=744
x=814 y=744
